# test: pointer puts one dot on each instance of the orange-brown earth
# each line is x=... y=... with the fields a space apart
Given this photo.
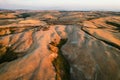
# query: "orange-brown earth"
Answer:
x=59 y=45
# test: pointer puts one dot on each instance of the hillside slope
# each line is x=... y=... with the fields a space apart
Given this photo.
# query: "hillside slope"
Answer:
x=33 y=49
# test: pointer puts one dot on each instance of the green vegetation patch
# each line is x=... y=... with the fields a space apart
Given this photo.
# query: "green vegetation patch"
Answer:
x=6 y=22
x=117 y=25
x=7 y=55
x=23 y=15
x=61 y=65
